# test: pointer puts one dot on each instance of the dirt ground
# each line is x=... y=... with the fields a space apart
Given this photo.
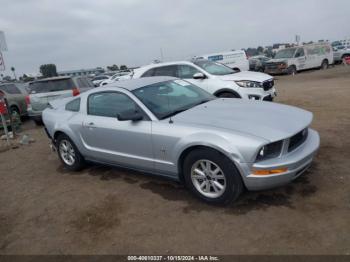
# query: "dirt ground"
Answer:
x=44 y=209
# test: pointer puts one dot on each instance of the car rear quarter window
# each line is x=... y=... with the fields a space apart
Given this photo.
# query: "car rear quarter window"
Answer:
x=149 y=73
x=51 y=86
x=166 y=71
x=73 y=105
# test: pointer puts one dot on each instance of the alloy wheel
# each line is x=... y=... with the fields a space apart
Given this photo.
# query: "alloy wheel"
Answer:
x=67 y=152
x=208 y=178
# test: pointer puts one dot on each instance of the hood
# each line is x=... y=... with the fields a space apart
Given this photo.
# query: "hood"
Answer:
x=277 y=60
x=267 y=120
x=246 y=75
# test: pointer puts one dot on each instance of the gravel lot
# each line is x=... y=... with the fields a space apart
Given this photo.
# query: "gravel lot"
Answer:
x=44 y=209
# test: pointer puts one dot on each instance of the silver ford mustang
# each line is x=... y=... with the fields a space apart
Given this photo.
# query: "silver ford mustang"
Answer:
x=167 y=126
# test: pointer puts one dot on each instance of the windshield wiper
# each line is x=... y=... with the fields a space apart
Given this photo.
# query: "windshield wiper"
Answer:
x=175 y=112
x=201 y=102
x=185 y=108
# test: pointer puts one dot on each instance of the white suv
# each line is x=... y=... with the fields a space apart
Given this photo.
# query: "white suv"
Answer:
x=215 y=78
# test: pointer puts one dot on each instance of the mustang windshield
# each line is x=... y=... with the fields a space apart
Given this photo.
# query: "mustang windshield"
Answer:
x=169 y=98
x=214 y=68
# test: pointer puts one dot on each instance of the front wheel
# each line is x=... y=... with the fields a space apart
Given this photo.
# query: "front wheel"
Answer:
x=292 y=70
x=69 y=154
x=212 y=177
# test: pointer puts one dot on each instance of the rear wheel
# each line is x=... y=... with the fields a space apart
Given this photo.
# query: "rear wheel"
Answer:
x=38 y=122
x=324 y=65
x=69 y=153
x=212 y=177
x=227 y=95
x=14 y=111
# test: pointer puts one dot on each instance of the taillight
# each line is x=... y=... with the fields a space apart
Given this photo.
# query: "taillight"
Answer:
x=28 y=100
x=75 y=91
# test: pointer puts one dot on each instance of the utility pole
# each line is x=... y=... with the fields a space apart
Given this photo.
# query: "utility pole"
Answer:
x=161 y=55
x=3 y=47
x=14 y=72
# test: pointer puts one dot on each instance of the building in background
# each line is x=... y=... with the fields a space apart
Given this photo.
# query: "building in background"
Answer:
x=82 y=72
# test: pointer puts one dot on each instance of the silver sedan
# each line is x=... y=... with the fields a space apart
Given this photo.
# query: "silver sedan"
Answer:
x=169 y=127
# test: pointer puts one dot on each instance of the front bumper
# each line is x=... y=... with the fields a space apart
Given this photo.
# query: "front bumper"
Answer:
x=259 y=94
x=296 y=162
x=276 y=71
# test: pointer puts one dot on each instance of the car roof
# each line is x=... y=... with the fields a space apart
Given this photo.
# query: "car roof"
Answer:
x=136 y=83
x=52 y=78
x=165 y=64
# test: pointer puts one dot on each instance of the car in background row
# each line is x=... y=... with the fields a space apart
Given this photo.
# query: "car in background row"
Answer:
x=15 y=98
x=169 y=127
x=257 y=63
x=292 y=60
x=42 y=91
x=114 y=78
x=98 y=79
x=341 y=53
x=215 y=78
x=236 y=60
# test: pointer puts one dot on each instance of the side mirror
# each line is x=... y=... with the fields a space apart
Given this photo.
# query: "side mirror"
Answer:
x=199 y=76
x=129 y=116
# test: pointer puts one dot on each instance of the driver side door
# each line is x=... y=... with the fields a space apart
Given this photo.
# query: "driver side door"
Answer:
x=124 y=143
x=301 y=59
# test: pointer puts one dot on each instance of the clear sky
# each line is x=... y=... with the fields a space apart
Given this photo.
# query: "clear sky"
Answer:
x=75 y=34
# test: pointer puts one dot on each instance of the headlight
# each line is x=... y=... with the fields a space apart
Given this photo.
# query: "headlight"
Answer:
x=251 y=84
x=282 y=65
x=270 y=151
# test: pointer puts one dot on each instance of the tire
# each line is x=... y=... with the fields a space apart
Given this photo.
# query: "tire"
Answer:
x=69 y=153
x=14 y=110
x=227 y=95
x=324 y=64
x=228 y=177
x=38 y=122
x=292 y=70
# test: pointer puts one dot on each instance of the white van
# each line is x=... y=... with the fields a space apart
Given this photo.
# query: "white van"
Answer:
x=237 y=60
x=294 y=59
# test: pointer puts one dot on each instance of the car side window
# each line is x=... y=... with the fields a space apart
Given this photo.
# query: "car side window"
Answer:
x=186 y=71
x=73 y=106
x=166 y=71
x=110 y=104
x=10 y=89
x=300 y=52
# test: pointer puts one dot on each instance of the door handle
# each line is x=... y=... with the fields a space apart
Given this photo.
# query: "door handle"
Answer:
x=90 y=125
